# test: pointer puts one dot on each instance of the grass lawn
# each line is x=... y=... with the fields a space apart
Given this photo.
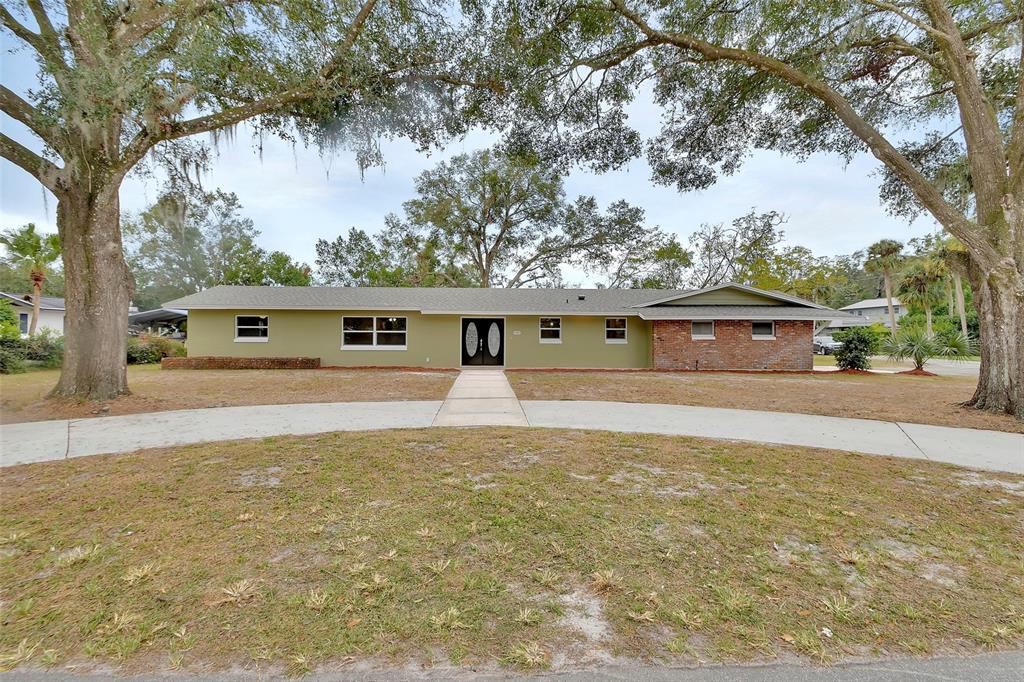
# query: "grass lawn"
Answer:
x=22 y=396
x=923 y=400
x=520 y=548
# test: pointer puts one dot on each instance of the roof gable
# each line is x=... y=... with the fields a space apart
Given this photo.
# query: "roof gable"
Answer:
x=730 y=293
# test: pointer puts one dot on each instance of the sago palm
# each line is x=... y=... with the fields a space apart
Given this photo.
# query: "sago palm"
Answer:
x=30 y=249
x=919 y=345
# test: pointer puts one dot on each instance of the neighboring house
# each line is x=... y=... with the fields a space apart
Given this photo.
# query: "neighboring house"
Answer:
x=724 y=327
x=841 y=325
x=170 y=321
x=876 y=310
x=51 y=312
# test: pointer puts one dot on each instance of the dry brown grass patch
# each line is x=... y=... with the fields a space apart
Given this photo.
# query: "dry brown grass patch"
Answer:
x=921 y=400
x=23 y=396
x=813 y=553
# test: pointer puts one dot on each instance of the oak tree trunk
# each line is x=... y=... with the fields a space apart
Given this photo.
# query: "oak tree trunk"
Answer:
x=999 y=300
x=98 y=293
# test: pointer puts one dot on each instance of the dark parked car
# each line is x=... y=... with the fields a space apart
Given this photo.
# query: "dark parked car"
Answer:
x=826 y=345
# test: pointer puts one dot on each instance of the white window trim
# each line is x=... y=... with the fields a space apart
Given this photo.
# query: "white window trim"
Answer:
x=252 y=339
x=757 y=337
x=703 y=337
x=624 y=330
x=375 y=347
x=540 y=336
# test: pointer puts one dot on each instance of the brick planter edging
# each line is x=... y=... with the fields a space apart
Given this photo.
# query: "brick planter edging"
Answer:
x=212 y=362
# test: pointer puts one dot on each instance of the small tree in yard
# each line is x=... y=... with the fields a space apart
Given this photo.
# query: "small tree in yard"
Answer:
x=123 y=81
x=859 y=344
x=919 y=345
x=28 y=248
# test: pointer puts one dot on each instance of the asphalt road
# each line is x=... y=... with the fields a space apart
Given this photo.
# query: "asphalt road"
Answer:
x=1005 y=666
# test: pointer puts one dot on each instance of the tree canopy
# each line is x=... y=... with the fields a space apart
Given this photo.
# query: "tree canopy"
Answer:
x=489 y=219
x=123 y=83
x=191 y=240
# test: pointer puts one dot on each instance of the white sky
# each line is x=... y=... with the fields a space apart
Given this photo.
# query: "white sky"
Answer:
x=295 y=197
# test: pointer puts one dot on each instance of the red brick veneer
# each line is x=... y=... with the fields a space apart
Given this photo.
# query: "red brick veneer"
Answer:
x=211 y=362
x=732 y=347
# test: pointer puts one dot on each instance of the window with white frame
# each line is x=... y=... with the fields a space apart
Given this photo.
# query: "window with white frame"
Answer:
x=551 y=330
x=23 y=323
x=384 y=332
x=702 y=329
x=762 y=329
x=615 y=330
x=252 y=328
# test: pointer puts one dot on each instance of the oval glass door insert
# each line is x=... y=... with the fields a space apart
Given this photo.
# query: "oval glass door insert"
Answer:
x=494 y=340
x=472 y=339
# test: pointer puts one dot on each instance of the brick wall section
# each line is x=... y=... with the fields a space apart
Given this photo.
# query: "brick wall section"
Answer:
x=210 y=362
x=733 y=347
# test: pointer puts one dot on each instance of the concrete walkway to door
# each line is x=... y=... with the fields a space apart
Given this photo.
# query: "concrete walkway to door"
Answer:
x=481 y=397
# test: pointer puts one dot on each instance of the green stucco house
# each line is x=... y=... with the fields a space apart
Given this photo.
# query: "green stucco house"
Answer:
x=729 y=326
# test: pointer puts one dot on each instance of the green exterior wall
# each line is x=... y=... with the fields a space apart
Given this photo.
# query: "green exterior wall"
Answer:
x=582 y=344
x=432 y=341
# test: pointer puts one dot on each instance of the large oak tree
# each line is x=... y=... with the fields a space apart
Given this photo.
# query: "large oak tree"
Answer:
x=844 y=76
x=489 y=219
x=123 y=81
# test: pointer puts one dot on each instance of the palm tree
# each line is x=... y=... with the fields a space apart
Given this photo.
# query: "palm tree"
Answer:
x=921 y=346
x=954 y=255
x=921 y=286
x=28 y=248
x=885 y=256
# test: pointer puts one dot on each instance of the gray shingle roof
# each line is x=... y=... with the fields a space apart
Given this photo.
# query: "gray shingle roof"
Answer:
x=45 y=302
x=438 y=300
x=473 y=301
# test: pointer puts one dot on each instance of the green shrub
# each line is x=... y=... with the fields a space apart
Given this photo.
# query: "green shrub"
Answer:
x=45 y=347
x=859 y=344
x=12 y=355
x=168 y=348
x=8 y=321
x=141 y=352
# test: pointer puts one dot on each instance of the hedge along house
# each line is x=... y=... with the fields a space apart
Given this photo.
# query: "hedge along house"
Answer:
x=725 y=327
